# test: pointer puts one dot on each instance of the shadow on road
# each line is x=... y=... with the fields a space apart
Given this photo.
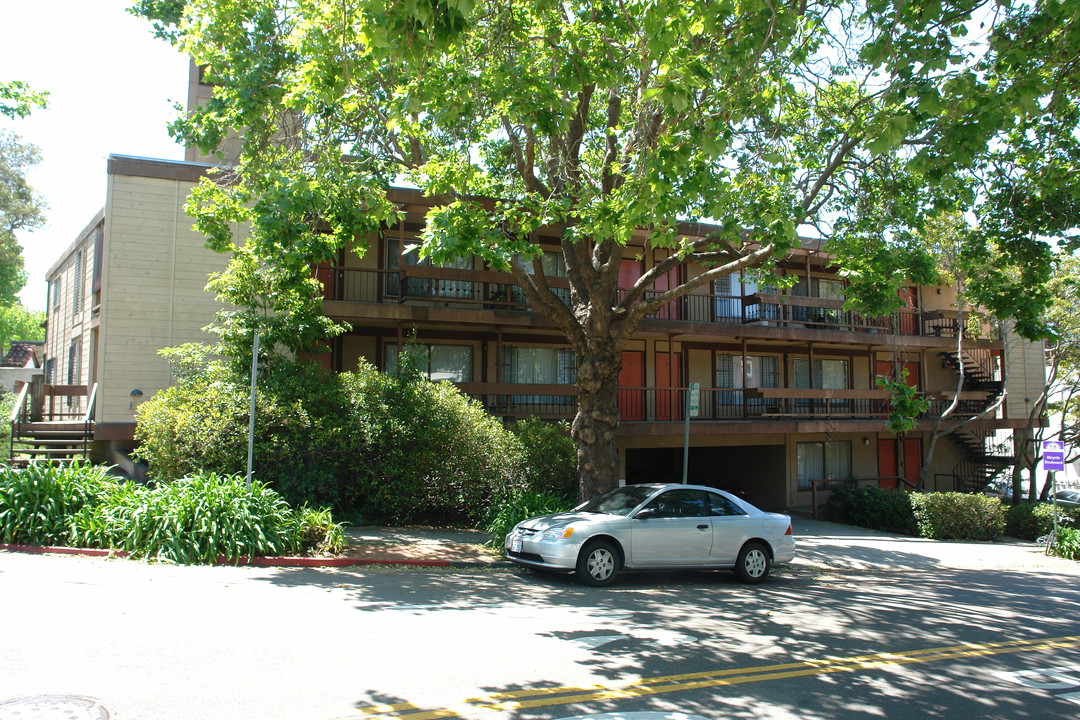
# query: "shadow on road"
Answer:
x=666 y=624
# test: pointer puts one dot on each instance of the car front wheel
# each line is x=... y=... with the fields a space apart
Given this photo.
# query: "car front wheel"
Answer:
x=753 y=563
x=598 y=563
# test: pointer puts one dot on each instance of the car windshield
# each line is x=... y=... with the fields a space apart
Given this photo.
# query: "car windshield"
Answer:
x=618 y=501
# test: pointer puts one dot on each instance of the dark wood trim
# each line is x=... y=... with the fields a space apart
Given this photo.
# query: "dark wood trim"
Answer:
x=158 y=169
x=114 y=431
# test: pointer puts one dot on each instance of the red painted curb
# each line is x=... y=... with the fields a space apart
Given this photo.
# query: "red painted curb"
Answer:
x=328 y=562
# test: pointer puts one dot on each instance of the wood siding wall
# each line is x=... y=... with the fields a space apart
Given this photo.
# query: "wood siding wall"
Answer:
x=153 y=295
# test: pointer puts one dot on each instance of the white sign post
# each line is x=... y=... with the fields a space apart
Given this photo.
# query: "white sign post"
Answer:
x=1053 y=461
x=693 y=407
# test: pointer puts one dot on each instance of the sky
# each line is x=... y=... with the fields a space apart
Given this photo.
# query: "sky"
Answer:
x=112 y=89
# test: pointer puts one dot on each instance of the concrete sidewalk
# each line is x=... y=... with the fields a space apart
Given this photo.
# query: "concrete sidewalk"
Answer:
x=820 y=546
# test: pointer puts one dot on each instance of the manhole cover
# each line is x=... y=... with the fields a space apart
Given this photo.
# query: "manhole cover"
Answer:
x=53 y=707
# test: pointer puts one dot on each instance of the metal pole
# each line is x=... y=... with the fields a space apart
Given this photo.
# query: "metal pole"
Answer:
x=251 y=408
x=686 y=439
x=1053 y=499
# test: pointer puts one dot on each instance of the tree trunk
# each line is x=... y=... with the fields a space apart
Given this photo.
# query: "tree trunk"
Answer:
x=597 y=417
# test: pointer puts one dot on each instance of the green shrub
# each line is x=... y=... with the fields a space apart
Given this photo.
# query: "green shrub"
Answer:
x=388 y=449
x=195 y=519
x=547 y=456
x=958 y=516
x=522 y=505
x=1032 y=520
x=1067 y=544
x=872 y=507
x=201 y=518
x=7 y=404
x=37 y=503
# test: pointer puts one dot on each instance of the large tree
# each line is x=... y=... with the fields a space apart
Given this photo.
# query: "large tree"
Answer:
x=609 y=119
x=20 y=209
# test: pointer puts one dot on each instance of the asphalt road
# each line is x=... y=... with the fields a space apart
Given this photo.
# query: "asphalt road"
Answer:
x=162 y=642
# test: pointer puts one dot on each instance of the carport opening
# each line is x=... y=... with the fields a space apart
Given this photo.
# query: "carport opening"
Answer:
x=754 y=472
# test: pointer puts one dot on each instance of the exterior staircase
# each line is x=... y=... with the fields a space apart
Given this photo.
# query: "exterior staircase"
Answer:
x=41 y=432
x=981 y=464
x=977 y=370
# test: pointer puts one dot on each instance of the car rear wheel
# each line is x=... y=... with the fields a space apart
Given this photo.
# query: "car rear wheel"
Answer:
x=752 y=565
x=598 y=563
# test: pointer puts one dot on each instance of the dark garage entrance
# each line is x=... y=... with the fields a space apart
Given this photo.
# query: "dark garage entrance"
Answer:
x=755 y=472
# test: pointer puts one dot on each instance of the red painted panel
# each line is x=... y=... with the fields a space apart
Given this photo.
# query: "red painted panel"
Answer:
x=909 y=316
x=912 y=461
x=669 y=405
x=886 y=463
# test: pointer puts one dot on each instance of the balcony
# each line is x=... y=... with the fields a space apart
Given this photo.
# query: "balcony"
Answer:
x=483 y=289
x=659 y=405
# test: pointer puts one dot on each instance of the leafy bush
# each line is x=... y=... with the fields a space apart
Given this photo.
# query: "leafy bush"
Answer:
x=1067 y=544
x=548 y=456
x=872 y=507
x=390 y=449
x=1032 y=520
x=958 y=516
x=37 y=503
x=522 y=505
x=7 y=404
x=196 y=519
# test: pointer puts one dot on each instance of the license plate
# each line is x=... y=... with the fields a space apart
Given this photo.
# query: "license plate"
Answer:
x=515 y=544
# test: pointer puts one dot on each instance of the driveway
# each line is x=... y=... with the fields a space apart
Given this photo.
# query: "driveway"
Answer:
x=826 y=545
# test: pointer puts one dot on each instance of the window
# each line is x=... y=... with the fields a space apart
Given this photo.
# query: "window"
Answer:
x=74 y=374
x=760 y=371
x=537 y=365
x=424 y=287
x=55 y=291
x=720 y=506
x=77 y=284
x=679 y=503
x=828 y=374
x=554 y=265
x=823 y=461
x=443 y=362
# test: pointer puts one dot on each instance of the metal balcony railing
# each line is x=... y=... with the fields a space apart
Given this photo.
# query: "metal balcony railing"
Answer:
x=494 y=290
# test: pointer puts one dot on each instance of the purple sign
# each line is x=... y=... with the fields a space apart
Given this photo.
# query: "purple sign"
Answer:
x=1053 y=455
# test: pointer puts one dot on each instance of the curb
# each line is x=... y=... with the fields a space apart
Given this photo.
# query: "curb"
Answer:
x=273 y=561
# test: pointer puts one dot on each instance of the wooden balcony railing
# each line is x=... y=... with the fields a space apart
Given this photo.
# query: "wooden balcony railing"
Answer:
x=497 y=290
x=642 y=404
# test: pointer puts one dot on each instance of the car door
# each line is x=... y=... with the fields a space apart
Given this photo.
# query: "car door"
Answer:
x=673 y=530
x=731 y=528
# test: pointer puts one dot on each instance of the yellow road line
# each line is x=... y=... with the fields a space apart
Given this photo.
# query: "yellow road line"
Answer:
x=517 y=700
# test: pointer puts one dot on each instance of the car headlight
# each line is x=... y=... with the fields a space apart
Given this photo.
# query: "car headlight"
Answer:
x=557 y=533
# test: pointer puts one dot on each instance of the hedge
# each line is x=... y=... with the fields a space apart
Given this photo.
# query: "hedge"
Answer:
x=940 y=516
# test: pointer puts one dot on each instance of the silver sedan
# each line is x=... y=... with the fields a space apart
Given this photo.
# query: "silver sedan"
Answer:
x=655 y=527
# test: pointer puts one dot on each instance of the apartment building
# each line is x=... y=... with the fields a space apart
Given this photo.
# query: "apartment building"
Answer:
x=787 y=399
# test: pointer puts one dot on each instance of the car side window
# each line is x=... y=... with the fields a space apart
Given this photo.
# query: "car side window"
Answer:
x=720 y=506
x=679 y=503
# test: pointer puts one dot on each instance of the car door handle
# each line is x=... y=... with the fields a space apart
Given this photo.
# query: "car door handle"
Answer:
x=702 y=527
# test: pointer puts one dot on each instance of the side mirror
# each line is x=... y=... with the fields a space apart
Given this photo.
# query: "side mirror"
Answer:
x=646 y=513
